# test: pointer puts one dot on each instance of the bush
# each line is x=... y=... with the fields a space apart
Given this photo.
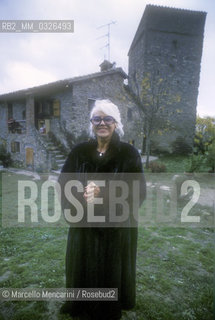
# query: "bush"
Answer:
x=205 y=134
x=197 y=162
x=204 y=146
x=18 y=164
x=5 y=156
x=157 y=167
x=181 y=147
x=210 y=157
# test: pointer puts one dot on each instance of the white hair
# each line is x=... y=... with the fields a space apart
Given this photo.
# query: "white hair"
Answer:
x=110 y=109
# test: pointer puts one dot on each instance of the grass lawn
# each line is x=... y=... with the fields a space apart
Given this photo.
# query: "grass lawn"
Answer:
x=175 y=163
x=179 y=163
x=175 y=271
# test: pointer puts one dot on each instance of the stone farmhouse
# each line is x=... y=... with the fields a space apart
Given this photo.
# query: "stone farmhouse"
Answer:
x=39 y=125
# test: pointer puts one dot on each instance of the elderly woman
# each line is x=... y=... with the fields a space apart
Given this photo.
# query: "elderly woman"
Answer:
x=102 y=257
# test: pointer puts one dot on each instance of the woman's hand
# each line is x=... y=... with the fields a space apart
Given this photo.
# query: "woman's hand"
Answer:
x=91 y=191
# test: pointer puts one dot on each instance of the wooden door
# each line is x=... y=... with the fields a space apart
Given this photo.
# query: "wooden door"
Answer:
x=29 y=156
x=47 y=124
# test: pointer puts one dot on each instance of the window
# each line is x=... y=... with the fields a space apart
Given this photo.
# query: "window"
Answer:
x=56 y=108
x=47 y=108
x=23 y=115
x=10 y=111
x=44 y=108
x=91 y=103
x=175 y=44
x=15 y=146
x=40 y=107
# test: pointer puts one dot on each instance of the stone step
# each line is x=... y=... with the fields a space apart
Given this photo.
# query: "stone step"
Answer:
x=60 y=166
x=60 y=161
x=59 y=156
x=52 y=148
x=55 y=152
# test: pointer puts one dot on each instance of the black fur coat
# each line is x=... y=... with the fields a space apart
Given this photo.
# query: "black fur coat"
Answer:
x=103 y=257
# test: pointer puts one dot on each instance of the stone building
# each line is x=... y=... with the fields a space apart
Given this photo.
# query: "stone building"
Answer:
x=164 y=64
x=40 y=125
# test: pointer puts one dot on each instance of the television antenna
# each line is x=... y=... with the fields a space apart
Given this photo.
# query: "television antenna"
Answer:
x=107 y=35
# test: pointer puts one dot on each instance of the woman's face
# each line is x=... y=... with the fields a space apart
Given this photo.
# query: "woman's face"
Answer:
x=103 y=130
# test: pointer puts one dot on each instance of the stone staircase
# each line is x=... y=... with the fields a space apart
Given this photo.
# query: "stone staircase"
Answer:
x=56 y=157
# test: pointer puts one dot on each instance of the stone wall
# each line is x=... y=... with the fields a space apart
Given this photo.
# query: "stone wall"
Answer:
x=171 y=53
x=75 y=111
x=33 y=141
x=29 y=139
x=19 y=109
x=3 y=119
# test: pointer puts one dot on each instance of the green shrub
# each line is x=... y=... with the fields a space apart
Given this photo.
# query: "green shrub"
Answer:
x=210 y=157
x=157 y=166
x=197 y=162
x=204 y=135
x=5 y=156
x=18 y=164
x=181 y=147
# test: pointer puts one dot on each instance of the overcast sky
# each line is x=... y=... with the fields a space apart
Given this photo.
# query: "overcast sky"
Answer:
x=34 y=58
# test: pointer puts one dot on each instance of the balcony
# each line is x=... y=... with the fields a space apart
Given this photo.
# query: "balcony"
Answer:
x=16 y=126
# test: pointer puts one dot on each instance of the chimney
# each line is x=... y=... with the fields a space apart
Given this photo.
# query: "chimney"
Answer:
x=107 y=65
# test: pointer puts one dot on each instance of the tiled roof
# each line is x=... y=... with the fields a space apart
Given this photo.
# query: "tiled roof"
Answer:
x=60 y=84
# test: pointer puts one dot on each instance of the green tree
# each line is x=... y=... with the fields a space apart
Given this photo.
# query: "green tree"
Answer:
x=210 y=156
x=204 y=144
x=205 y=134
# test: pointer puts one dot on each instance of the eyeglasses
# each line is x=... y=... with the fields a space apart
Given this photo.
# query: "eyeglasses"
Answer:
x=108 y=120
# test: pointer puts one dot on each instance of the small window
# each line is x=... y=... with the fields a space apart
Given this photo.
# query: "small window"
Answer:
x=15 y=146
x=10 y=111
x=91 y=103
x=40 y=107
x=175 y=44
x=23 y=115
x=56 y=108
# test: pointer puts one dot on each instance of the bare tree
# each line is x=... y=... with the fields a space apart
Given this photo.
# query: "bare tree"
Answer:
x=152 y=96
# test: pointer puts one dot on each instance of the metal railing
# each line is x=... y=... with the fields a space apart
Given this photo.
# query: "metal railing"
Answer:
x=16 y=126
